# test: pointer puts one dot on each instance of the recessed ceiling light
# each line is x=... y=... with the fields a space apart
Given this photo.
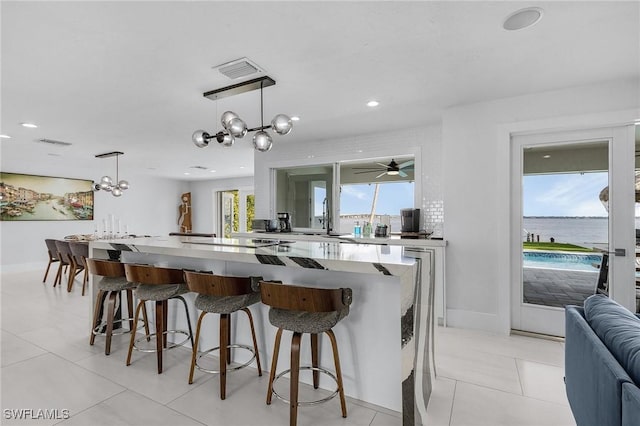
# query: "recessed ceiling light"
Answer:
x=546 y=156
x=29 y=125
x=242 y=167
x=295 y=118
x=187 y=173
x=373 y=104
x=212 y=171
x=53 y=155
x=522 y=18
x=5 y=137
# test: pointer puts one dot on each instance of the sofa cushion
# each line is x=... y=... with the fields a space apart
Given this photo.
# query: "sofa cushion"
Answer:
x=619 y=330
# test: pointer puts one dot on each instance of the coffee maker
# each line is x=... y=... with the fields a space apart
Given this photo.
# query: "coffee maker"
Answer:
x=284 y=220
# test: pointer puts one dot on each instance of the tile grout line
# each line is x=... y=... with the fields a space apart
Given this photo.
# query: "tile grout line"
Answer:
x=515 y=360
x=453 y=401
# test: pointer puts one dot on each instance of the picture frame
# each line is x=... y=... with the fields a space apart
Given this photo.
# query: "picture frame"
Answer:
x=26 y=197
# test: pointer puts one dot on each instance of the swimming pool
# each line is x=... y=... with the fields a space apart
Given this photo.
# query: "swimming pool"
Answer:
x=561 y=260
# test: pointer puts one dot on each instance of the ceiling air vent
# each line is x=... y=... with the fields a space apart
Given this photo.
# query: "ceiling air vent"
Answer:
x=54 y=142
x=239 y=68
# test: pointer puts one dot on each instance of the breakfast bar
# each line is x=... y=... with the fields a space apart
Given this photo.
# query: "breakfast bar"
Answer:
x=385 y=342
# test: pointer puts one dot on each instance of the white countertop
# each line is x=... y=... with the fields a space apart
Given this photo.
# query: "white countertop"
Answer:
x=231 y=248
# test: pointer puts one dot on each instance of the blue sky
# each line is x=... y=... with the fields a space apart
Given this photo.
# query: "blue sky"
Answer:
x=564 y=194
x=544 y=195
x=392 y=197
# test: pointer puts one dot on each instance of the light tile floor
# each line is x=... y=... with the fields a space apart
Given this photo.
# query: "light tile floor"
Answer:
x=47 y=363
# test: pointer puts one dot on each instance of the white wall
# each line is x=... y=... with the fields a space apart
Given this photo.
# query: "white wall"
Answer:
x=476 y=192
x=203 y=200
x=149 y=207
x=424 y=143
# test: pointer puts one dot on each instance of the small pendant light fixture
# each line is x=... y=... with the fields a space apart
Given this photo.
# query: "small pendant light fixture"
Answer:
x=235 y=127
x=110 y=185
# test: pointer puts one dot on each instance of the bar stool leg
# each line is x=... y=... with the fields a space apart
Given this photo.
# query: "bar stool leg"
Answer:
x=110 y=314
x=130 y=307
x=255 y=342
x=160 y=336
x=314 y=359
x=135 y=326
x=295 y=377
x=145 y=317
x=194 y=353
x=336 y=360
x=224 y=341
x=186 y=310
x=274 y=365
x=228 y=340
x=97 y=314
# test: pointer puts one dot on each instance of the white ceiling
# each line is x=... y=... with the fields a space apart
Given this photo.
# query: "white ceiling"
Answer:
x=129 y=76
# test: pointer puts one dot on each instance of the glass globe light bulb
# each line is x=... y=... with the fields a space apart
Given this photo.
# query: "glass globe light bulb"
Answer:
x=116 y=192
x=237 y=127
x=123 y=184
x=105 y=186
x=200 y=138
x=226 y=118
x=262 y=141
x=281 y=124
x=228 y=140
x=106 y=179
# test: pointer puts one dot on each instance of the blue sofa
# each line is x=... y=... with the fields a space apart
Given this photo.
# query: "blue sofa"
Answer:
x=602 y=363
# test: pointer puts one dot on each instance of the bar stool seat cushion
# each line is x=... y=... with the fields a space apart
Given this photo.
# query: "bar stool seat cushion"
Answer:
x=306 y=322
x=225 y=304
x=114 y=284
x=160 y=291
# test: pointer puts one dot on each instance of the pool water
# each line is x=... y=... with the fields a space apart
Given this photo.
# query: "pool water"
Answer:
x=558 y=260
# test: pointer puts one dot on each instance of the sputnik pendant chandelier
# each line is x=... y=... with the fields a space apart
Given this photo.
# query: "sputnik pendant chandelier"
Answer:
x=235 y=127
x=107 y=183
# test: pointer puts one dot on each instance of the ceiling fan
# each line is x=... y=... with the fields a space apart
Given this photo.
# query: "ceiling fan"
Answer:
x=391 y=169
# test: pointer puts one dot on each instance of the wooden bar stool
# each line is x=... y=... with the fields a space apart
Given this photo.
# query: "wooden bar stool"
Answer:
x=305 y=310
x=159 y=285
x=111 y=285
x=223 y=295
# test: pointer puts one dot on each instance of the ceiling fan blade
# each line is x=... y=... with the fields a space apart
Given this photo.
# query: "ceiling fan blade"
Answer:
x=381 y=174
x=402 y=174
x=383 y=165
x=406 y=164
x=367 y=168
x=366 y=171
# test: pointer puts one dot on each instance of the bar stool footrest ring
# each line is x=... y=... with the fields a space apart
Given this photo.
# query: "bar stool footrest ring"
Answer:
x=217 y=348
x=303 y=403
x=116 y=332
x=153 y=336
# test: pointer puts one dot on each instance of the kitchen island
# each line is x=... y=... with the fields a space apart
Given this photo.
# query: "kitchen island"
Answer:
x=386 y=341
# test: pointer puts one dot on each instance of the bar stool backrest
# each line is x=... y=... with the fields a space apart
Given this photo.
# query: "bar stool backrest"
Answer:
x=217 y=285
x=145 y=274
x=105 y=268
x=307 y=299
x=65 y=251
x=52 y=248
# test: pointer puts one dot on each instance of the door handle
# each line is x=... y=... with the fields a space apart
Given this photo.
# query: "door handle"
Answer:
x=619 y=252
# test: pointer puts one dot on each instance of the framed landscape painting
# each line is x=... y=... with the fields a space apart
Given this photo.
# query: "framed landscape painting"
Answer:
x=30 y=197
